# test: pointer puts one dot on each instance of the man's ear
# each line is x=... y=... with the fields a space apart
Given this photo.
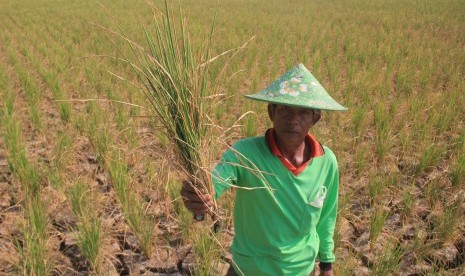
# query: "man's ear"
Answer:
x=271 y=108
x=316 y=115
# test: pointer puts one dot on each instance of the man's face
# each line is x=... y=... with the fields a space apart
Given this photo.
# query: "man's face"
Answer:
x=292 y=124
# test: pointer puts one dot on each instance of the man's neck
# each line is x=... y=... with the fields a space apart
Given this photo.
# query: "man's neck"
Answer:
x=297 y=153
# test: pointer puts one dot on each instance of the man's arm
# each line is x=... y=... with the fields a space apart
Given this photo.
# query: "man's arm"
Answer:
x=225 y=174
x=327 y=222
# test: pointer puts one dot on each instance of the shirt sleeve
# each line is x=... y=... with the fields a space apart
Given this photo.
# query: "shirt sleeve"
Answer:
x=224 y=175
x=327 y=222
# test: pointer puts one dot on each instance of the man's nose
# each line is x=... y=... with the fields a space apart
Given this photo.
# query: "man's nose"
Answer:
x=292 y=117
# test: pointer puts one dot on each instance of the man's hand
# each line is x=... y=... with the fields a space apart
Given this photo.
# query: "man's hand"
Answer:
x=327 y=273
x=194 y=200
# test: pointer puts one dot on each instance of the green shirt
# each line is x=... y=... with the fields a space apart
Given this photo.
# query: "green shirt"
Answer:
x=282 y=221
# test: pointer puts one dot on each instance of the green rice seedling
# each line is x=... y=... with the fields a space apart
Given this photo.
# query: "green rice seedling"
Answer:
x=89 y=226
x=376 y=188
x=27 y=173
x=431 y=156
x=361 y=158
x=55 y=178
x=378 y=217
x=461 y=143
x=32 y=247
x=35 y=115
x=64 y=107
x=50 y=78
x=182 y=215
x=134 y=211
x=121 y=118
x=37 y=217
x=79 y=123
x=250 y=125
x=89 y=240
x=405 y=140
x=446 y=226
x=435 y=194
x=457 y=173
x=29 y=87
x=443 y=120
x=142 y=224
x=8 y=103
x=8 y=98
x=345 y=266
x=65 y=112
x=208 y=251
x=383 y=131
x=97 y=132
x=437 y=269
x=94 y=78
x=389 y=261
x=415 y=115
x=61 y=150
x=407 y=203
x=120 y=179
x=78 y=199
x=421 y=246
x=173 y=190
x=343 y=212
x=127 y=132
x=359 y=121
x=12 y=135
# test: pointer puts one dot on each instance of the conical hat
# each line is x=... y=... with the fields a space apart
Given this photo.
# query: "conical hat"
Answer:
x=298 y=87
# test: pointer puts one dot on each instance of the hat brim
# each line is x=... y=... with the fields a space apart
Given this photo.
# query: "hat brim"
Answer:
x=321 y=105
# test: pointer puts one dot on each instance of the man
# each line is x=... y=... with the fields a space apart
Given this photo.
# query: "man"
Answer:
x=287 y=185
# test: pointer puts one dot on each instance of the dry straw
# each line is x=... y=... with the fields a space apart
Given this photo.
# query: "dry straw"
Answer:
x=177 y=81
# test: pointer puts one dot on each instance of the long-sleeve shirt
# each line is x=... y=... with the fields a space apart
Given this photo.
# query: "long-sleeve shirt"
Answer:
x=283 y=221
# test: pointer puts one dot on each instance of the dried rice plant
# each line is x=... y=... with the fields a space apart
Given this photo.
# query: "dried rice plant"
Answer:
x=181 y=89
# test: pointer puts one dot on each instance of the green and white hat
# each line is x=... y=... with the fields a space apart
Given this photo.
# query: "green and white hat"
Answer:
x=298 y=87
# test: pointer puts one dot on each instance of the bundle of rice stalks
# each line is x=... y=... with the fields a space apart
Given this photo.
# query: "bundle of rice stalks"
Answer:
x=177 y=82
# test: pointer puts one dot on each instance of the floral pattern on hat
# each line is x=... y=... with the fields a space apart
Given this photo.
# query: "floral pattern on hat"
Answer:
x=292 y=87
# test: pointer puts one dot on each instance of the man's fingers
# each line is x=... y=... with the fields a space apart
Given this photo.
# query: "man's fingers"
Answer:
x=192 y=193
x=197 y=207
x=194 y=200
x=187 y=185
x=193 y=196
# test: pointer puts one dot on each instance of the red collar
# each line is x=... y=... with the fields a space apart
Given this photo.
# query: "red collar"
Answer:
x=316 y=150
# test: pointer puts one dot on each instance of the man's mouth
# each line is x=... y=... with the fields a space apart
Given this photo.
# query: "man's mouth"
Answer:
x=292 y=131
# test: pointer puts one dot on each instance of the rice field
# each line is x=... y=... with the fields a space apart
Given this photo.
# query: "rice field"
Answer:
x=87 y=182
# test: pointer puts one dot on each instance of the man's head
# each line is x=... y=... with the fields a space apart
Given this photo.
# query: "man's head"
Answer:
x=292 y=123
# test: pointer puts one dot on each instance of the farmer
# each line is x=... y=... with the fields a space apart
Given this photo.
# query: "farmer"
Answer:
x=287 y=185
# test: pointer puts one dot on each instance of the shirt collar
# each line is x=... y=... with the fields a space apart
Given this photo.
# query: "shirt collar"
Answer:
x=316 y=150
